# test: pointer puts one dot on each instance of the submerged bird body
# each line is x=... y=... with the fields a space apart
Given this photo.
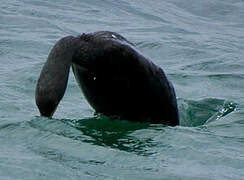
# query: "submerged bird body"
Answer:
x=114 y=77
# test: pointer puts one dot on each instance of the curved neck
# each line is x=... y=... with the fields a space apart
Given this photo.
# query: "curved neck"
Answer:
x=53 y=79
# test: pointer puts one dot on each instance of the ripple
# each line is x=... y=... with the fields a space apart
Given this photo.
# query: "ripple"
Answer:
x=148 y=45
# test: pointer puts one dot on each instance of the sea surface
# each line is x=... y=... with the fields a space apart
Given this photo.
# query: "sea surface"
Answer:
x=198 y=43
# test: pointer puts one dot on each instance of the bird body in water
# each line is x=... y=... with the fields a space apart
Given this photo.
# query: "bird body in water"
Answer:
x=115 y=78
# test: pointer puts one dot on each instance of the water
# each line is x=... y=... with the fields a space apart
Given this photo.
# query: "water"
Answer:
x=199 y=44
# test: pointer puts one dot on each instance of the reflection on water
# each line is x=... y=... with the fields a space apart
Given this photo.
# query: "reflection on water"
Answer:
x=114 y=133
x=120 y=134
x=99 y=130
x=103 y=143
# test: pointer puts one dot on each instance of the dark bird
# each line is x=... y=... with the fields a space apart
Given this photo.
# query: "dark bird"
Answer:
x=115 y=78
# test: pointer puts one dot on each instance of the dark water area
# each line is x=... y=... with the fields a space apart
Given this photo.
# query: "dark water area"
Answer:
x=200 y=46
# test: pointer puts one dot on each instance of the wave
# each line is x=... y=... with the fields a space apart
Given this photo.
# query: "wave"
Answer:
x=204 y=111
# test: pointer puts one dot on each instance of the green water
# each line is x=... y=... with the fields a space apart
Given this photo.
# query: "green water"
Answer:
x=199 y=44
